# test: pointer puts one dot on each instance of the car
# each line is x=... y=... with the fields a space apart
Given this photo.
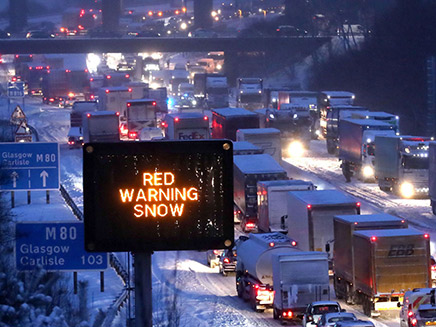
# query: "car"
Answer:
x=288 y=30
x=354 y=323
x=227 y=261
x=330 y=319
x=202 y=33
x=315 y=310
x=213 y=257
x=39 y=34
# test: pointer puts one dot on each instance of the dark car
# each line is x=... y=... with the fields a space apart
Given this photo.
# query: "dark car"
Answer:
x=39 y=34
x=288 y=30
x=227 y=261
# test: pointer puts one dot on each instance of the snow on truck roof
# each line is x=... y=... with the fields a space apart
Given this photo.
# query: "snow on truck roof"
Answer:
x=368 y=122
x=324 y=197
x=139 y=100
x=390 y=233
x=378 y=217
x=259 y=130
x=187 y=115
x=257 y=164
x=102 y=113
x=266 y=238
x=284 y=182
x=244 y=145
x=338 y=93
x=115 y=89
x=233 y=112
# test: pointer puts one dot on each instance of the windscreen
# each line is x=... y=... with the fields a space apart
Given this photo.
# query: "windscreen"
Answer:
x=415 y=162
x=431 y=313
x=336 y=319
x=220 y=90
x=319 y=310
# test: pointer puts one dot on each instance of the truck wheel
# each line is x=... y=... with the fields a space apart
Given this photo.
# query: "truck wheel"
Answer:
x=366 y=304
x=433 y=207
x=336 y=284
x=331 y=147
x=275 y=314
x=240 y=289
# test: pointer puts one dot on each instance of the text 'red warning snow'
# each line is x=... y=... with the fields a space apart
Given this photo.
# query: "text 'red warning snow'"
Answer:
x=159 y=197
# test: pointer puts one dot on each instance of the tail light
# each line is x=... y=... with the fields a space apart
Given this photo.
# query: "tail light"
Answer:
x=271 y=244
x=294 y=243
x=250 y=225
x=410 y=314
x=154 y=103
x=127 y=76
x=288 y=314
x=426 y=236
x=433 y=268
x=226 y=260
x=88 y=115
x=176 y=119
x=108 y=76
x=414 y=322
x=205 y=118
x=358 y=204
x=132 y=135
x=216 y=252
x=373 y=238
x=309 y=206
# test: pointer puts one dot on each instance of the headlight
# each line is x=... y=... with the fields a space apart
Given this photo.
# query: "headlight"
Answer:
x=407 y=190
x=271 y=116
x=295 y=116
x=295 y=149
x=368 y=171
x=194 y=102
x=218 y=67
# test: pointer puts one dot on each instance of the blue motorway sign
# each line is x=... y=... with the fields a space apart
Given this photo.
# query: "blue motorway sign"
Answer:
x=55 y=246
x=16 y=89
x=29 y=166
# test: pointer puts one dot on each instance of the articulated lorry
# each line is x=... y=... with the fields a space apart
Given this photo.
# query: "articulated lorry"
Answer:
x=211 y=90
x=114 y=98
x=226 y=121
x=244 y=147
x=310 y=216
x=271 y=201
x=247 y=171
x=249 y=93
x=383 y=264
x=137 y=115
x=401 y=165
x=186 y=126
x=75 y=134
x=356 y=146
x=344 y=226
x=272 y=272
x=266 y=138
x=101 y=126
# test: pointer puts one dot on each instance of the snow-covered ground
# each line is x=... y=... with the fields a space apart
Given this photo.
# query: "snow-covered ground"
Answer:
x=185 y=289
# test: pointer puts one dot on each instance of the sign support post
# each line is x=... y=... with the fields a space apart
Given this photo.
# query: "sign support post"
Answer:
x=12 y=199
x=143 y=292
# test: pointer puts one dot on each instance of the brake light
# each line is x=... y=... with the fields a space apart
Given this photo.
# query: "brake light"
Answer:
x=426 y=236
x=309 y=206
x=127 y=76
x=132 y=135
x=88 y=115
x=226 y=260
x=150 y=13
x=91 y=79
x=108 y=76
x=117 y=113
x=71 y=94
x=373 y=238
x=176 y=119
x=358 y=204
x=129 y=90
x=288 y=314
x=129 y=104
x=414 y=321
x=107 y=91
x=294 y=243
x=271 y=244
x=92 y=96
x=51 y=100
x=250 y=225
x=410 y=314
x=205 y=118
x=160 y=13
x=154 y=103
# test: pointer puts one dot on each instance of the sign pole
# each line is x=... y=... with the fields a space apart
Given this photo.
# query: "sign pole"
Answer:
x=47 y=197
x=29 y=198
x=12 y=199
x=143 y=292
x=75 y=281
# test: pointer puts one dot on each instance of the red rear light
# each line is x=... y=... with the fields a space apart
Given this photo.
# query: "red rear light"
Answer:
x=355 y=223
x=309 y=206
x=129 y=90
x=127 y=76
x=129 y=104
x=30 y=68
x=108 y=76
x=51 y=100
x=256 y=286
x=410 y=313
x=414 y=321
x=117 y=113
x=373 y=238
x=107 y=91
x=226 y=260
x=88 y=115
x=150 y=13
x=205 y=118
x=91 y=79
x=176 y=119
x=154 y=103
x=294 y=243
x=177 y=12
x=358 y=204
x=132 y=135
x=426 y=236
x=160 y=14
x=271 y=244
x=92 y=96
x=250 y=225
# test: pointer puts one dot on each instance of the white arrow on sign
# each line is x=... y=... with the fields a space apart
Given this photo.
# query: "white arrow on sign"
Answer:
x=44 y=176
x=14 y=177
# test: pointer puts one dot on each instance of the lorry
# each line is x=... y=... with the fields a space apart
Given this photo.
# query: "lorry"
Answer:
x=401 y=165
x=186 y=126
x=75 y=134
x=344 y=226
x=356 y=146
x=101 y=126
x=271 y=201
x=294 y=123
x=137 y=115
x=330 y=119
x=384 y=264
x=254 y=281
x=244 y=147
x=432 y=175
x=113 y=98
x=226 y=121
x=272 y=272
x=177 y=77
x=211 y=90
x=249 y=93
x=159 y=94
x=247 y=171
x=310 y=216
x=268 y=139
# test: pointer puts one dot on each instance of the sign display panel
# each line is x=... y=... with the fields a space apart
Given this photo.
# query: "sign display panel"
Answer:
x=166 y=195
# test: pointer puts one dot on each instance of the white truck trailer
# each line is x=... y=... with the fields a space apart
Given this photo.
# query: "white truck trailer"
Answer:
x=268 y=139
x=272 y=205
x=186 y=126
x=113 y=98
x=244 y=147
x=101 y=126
